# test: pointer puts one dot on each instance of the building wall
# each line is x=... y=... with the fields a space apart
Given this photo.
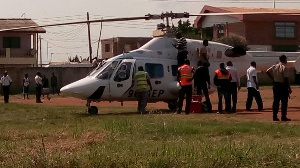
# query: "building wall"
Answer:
x=64 y=76
x=236 y=29
x=17 y=56
x=120 y=45
x=263 y=33
x=209 y=21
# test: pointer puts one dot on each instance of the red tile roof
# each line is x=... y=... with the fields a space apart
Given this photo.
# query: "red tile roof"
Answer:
x=239 y=9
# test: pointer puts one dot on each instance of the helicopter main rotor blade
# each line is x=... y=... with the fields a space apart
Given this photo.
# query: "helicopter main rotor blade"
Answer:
x=81 y=22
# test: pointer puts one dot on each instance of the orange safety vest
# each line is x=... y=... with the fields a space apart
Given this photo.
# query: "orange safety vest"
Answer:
x=220 y=75
x=186 y=75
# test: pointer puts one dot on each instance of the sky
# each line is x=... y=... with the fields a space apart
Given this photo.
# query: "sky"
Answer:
x=62 y=42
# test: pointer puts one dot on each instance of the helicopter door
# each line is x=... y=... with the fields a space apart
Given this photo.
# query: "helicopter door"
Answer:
x=122 y=78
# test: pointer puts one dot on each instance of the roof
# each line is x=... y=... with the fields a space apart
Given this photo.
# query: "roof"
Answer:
x=264 y=13
x=238 y=9
x=18 y=22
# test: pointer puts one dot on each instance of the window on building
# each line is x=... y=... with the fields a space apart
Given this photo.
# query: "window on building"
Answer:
x=11 y=42
x=154 y=70
x=107 y=47
x=285 y=29
x=220 y=30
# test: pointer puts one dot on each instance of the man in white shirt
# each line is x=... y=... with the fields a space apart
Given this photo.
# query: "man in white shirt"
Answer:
x=39 y=84
x=253 y=88
x=5 y=82
x=234 y=85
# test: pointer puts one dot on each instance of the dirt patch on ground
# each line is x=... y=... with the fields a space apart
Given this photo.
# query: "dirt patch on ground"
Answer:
x=266 y=93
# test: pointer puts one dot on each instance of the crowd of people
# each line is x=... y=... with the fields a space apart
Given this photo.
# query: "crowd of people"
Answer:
x=226 y=79
x=41 y=86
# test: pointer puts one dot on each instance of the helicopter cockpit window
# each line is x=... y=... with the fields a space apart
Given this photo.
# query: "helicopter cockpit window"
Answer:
x=154 y=70
x=123 y=72
x=97 y=69
x=107 y=72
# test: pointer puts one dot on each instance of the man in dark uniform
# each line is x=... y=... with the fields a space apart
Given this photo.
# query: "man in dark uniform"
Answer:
x=185 y=79
x=54 y=84
x=281 y=88
x=222 y=81
x=202 y=82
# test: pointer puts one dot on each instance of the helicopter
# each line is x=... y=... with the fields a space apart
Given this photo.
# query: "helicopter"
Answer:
x=114 y=80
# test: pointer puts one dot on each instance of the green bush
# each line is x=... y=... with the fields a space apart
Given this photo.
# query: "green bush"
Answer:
x=234 y=40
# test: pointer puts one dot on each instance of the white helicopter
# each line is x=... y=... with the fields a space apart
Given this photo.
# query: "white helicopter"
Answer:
x=113 y=81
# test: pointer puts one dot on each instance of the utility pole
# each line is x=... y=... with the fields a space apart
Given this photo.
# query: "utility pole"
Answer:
x=51 y=57
x=89 y=34
x=99 y=39
x=47 y=52
x=41 y=62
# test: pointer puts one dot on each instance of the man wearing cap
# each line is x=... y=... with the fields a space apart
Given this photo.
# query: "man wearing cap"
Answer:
x=5 y=82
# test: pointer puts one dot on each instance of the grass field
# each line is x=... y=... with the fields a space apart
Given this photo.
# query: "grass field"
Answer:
x=62 y=136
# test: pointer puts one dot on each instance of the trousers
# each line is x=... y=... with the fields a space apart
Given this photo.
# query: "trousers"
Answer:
x=202 y=88
x=142 y=101
x=187 y=92
x=223 y=92
x=38 y=93
x=280 y=93
x=233 y=95
x=6 y=93
x=252 y=92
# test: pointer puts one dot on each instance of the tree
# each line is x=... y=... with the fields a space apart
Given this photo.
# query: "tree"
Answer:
x=187 y=30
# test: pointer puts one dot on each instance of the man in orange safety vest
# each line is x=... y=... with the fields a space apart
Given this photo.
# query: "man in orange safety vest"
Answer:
x=185 y=79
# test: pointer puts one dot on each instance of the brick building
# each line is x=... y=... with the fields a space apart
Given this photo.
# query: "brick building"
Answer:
x=267 y=30
x=115 y=46
x=18 y=47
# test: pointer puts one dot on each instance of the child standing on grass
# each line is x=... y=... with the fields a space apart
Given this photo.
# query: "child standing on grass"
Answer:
x=26 y=83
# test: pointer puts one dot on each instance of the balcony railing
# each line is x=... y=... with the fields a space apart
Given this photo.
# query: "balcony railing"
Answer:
x=21 y=53
x=2 y=53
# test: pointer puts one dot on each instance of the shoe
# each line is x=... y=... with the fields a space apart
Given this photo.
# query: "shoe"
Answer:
x=260 y=109
x=285 y=119
x=39 y=102
x=248 y=110
x=276 y=119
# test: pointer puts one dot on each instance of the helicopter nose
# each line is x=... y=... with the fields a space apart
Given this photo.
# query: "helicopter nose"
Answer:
x=82 y=88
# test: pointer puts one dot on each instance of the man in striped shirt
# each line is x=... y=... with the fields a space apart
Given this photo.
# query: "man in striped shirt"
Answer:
x=182 y=49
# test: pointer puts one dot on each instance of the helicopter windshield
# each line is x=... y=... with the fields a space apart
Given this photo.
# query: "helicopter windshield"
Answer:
x=104 y=71
x=108 y=70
